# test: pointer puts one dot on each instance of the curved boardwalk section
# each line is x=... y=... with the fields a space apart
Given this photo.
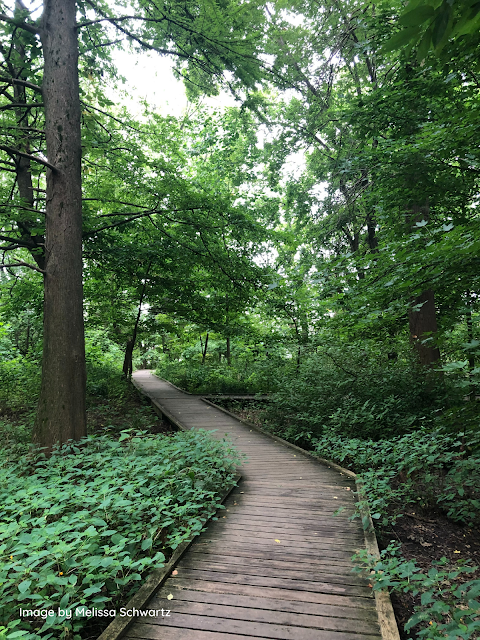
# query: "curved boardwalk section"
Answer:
x=277 y=563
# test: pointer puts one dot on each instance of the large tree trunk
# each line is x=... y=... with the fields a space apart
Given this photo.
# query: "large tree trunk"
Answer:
x=422 y=316
x=61 y=408
x=423 y=324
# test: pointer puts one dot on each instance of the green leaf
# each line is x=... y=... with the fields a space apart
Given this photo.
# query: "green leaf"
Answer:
x=146 y=544
x=23 y=586
x=416 y=16
x=440 y=26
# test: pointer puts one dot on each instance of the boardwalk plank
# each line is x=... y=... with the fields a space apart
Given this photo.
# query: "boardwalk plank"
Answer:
x=280 y=593
x=250 y=629
x=350 y=615
x=234 y=611
x=277 y=563
x=276 y=572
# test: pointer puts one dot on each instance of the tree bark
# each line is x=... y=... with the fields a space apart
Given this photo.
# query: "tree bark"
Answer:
x=204 y=355
x=423 y=324
x=22 y=164
x=61 y=409
x=371 y=233
x=128 y=360
x=229 y=352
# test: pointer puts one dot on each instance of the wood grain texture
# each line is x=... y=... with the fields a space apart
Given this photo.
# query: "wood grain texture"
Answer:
x=277 y=562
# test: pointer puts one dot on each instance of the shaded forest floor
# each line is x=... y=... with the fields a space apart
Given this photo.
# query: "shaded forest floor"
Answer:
x=133 y=411
x=424 y=536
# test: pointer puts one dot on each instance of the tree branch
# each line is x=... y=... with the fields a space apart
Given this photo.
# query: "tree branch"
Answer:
x=22 y=83
x=22 y=264
x=21 y=105
x=15 y=152
x=18 y=23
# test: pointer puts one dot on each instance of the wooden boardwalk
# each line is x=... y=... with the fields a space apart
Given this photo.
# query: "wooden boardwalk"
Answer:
x=277 y=564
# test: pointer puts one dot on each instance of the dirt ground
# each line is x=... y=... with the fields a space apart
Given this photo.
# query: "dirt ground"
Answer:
x=133 y=412
x=426 y=537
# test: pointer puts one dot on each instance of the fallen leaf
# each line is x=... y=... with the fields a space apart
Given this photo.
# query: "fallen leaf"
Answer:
x=347 y=488
x=426 y=544
x=457 y=552
x=278 y=541
x=175 y=573
x=370 y=585
x=335 y=498
x=169 y=597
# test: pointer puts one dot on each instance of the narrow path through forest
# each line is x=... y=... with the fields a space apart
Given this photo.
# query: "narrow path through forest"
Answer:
x=277 y=563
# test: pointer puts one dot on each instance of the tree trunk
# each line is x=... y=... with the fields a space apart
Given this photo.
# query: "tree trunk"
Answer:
x=471 y=356
x=204 y=355
x=229 y=353
x=423 y=324
x=371 y=233
x=22 y=164
x=61 y=409
x=423 y=321
x=128 y=360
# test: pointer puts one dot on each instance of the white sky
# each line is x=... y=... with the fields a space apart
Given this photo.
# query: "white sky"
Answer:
x=150 y=76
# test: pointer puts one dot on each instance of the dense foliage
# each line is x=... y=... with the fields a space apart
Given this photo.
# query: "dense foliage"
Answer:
x=81 y=527
x=319 y=242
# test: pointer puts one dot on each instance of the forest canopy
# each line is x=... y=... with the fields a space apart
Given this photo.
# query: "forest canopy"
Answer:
x=316 y=244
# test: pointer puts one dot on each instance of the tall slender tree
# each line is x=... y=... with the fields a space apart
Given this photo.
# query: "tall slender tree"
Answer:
x=206 y=39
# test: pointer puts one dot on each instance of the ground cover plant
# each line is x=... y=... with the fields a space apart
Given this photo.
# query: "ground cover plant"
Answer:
x=211 y=378
x=83 y=526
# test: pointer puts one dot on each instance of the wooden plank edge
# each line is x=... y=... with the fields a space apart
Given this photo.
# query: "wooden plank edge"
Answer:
x=386 y=616
x=155 y=580
x=160 y=409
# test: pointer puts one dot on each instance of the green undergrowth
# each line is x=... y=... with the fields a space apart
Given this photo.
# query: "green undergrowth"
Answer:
x=434 y=469
x=449 y=605
x=82 y=527
x=357 y=393
x=431 y=470
x=220 y=378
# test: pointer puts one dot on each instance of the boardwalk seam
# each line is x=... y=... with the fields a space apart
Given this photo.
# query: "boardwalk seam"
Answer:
x=386 y=616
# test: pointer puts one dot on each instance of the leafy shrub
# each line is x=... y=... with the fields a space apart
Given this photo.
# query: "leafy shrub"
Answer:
x=355 y=393
x=104 y=361
x=81 y=527
x=259 y=377
x=448 y=608
x=19 y=384
x=433 y=468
